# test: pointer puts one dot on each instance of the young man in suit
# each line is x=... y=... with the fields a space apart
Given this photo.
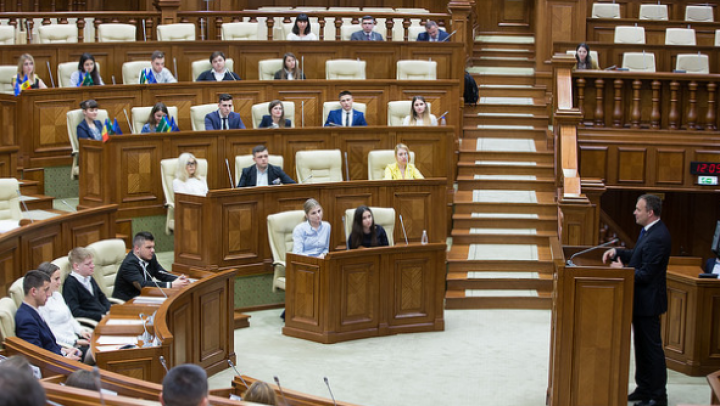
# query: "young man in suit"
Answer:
x=367 y=33
x=82 y=294
x=224 y=118
x=346 y=116
x=650 y=258
x=262 y=173
x=433 y=33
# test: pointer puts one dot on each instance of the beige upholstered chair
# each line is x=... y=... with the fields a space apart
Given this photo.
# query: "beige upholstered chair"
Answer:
x=244 y=161
x=7 y=318
x=7 y=35
x=167 y=172
x=261 y=109
x=10 y=213
x=114 y=32
x=414 y=31
x=318 y=166
x=57 y=34
x=140 y=116
x=699 y=14
x=64 y=264
x=605 y=10
x=639 y=61
x=345 y=69
x=330 y=106
x=268 y=67
x=693 y=63
x=107 y=255
x=379 y=159
x=198 y=113
x=16 y=292
x=382 y=215
x=240 y=31
x=398 y=110
x=74 y=117
x=7 y=73
x=717 y=38
x=66 y=69
x=653 y=12
x=680 y=36
x=198 y=67
x=176 y=32
x=131 y=71
x=416 y=70
x=280 y=230
x=629 y=35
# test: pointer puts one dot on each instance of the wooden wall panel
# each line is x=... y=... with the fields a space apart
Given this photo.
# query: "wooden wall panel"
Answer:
x=670 y=166
x=8 y=161
x=631 y=165
x=307 y=297
x=190 y=221
x=416 y=209
x=359 y=294
x=7 y=122
x=412 y=299
x=212 y=347
x=184 y=329
x=676 y=317
x=593 y=162
x=714 y=317
x=42 y=245
x=10 y=263
x=237 y=218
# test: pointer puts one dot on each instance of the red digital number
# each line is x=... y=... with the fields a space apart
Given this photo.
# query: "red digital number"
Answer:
x=702 y=168
x=712 y=168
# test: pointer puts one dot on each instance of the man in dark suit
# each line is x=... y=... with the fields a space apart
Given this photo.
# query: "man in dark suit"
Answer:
x=650 y=259
x=80 y=291
x=433 y=33
x=367 y=33
x=224 y=118
x=29 y=326
x=262 y=173
x=140 y=266
x=346 y=116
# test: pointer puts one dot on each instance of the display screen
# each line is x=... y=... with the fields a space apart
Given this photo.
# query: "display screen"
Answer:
x=705 y=168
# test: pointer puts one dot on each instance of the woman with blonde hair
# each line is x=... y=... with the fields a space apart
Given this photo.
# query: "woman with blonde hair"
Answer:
x=402 y=168
x=26 y=68
x=261 y=393
x=419 y=115
x=312 y=237
x=186 y=177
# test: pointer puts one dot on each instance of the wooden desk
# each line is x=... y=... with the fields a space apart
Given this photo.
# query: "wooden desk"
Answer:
x=365 y=293
x=293 y=397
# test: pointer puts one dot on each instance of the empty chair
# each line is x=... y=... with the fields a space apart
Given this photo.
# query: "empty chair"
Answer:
x=639 y=61
x=398 y=110
x=345 y=69
x=605 y=10
x=58 y=34
x=680 y=36
x=653 y=12
x=330 y=106
x=379 y=159
x=198 y=113
x=16 y=292
x=10 y=213
x=198 y=67
x=131 y=71
x=693 y=63
x=74 y=117
x=717 y=38
x=629 y=35
x=261 y=109
x=702 y=14
x=140 y=115
x=318 y=166
x=107 y=257
x=176 y=32
x=115 y=32
x=244 y=161
x=66 y=69
x=383 y=216
x=416 y=70
x=167 y=174
x=7 y=35
x=280 y=230
x=239 y=31
x=268 y=67
x=7 y=73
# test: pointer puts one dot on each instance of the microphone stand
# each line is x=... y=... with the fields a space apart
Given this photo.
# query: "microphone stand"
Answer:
x=569 y=261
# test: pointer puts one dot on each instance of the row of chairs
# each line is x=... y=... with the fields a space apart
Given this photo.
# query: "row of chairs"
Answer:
x=673 y=36
x=645 y=62
x=654 y=12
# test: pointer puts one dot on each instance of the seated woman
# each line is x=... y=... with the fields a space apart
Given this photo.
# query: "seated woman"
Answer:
x=26 y=68
x=402 y=168
x=86 y=67
x=419 y=115
x=583 y=58
x=290 y=70
x=186 y=179
x=301 y=30
x=158 y=111
x=365 y=233
x=218 y=72
x=90 y=128
x=261 y=393
x=276 y=119
x=312 y=237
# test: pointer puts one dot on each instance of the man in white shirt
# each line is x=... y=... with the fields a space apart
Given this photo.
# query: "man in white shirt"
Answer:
x=161 y=73
x=346 y=116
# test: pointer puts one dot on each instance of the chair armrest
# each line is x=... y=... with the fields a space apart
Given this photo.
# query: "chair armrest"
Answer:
x=115 y=300
x=279 y=263
x=88 y=322
x=169 y=205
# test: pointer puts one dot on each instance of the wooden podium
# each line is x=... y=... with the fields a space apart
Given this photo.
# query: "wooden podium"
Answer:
x=365 y=293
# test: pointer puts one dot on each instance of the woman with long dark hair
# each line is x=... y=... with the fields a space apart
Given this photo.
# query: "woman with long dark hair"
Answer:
x=365 y=233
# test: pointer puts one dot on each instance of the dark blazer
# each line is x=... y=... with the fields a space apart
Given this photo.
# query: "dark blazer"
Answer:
x=208 y=76
x=249 y=176
x=130 y=276
x=382 y=240
x=81 y=303
x=213 y=121
x=83 y=130
x=335 y=117
x=267 y=122
x=32 y=328
x=360 y=36
x=650 y=259
x=280 y=75
x=710 y=265
x=442 y=36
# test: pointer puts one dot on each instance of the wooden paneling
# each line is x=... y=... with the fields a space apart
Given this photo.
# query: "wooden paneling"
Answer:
x=8 y=161
x=556 y=20
x=505 y=15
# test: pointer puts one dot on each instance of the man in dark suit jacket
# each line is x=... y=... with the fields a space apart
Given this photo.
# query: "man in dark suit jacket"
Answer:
x=29 y=326
x=650 y=258
x=339 y=118
x=367 y=33
x=275 y=174
x=433 y=33
x=80 y=291
x=710 y=265
x=139 y=267
x=224 y=118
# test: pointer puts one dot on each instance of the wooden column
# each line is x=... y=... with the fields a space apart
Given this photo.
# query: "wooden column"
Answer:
x=168 y=10
x=460 y=16
x=556 y=21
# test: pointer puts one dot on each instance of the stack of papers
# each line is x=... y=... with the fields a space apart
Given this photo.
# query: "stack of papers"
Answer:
x=151 y=300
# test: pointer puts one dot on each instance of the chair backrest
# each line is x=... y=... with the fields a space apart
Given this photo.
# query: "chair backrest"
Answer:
x=198 y=67
x=74 y=117
x=347 y=30
x=7 y=73
x=414 y=31
x=593 y=55
x=381 y=158
x=416 y=70
x=58 y=34
x=398 y=110
x=606 y=10
x=241 y=31
x=330 y=106
x=699 y=14
x=7 y=35
x=268 y=67
x=717 y=38
x=176 y=32
x=16 y=292
x=680 y=36
x=280 y=230
x=345 y=69
x=243 y=161
x=653 y=12
x=9 y=199
x=198 y=113
x=325 y=165
x=107 y=257
x=693 y=63
x=140 y=115
x=66 y=69
x=639 y=61
x=65 y=268
x=115 y=32
x=131 y=71
x=261 y=109
x=383 y=216
x=167 y=172
x=629 y=35
x=7 y=318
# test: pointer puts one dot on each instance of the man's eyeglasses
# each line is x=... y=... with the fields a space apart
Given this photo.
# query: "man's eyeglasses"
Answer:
x=193 y=163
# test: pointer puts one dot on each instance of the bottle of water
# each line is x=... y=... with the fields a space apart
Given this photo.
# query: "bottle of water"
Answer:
x=424 y=239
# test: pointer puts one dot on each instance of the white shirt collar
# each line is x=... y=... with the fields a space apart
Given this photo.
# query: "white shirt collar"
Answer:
x=647 y=227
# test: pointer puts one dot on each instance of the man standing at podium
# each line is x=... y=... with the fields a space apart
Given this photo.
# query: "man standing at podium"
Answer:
x=650 y=259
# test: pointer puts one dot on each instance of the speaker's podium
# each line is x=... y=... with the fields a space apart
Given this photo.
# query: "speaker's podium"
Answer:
x=364 y=293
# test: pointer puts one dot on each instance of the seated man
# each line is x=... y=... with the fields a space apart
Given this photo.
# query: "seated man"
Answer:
x=185 y=385
x=346 y=116
x=17 y=388
x=29 y=326
x=139 y=267
x=159 y=71
x=433 y=33
x=262 y=173
x=367 y=33
x=80 y=291
x=224 y=118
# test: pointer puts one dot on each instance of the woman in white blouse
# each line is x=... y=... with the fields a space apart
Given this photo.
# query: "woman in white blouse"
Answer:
x=419 y=114
x=301 y=30
x=186 y=178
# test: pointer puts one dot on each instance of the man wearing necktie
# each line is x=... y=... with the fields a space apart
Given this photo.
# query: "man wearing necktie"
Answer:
x=367 y=33
x=650 y=259
x=346 y=116
x=224 y=118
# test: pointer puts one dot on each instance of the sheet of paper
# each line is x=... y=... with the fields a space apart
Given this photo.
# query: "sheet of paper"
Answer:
x=124 y=322
x=157 y=300
x=116 y=340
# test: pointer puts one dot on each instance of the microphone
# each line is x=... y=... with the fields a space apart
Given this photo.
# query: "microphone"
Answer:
x=345 y=232
x=277 y=381
x=611 y=67
x=164 y=364
x=302 y=114
x=144 y=32
x=569 y=261
x=175 y=66
x=331 y=124
x=232 y=365
x=52 y=81
x=147 y=274
x=347 y=168
x=232 y=182
x=29 y=31
x=330 y=390
x=448 y=37
x=443 y=116
x=25 y=206
x=68 y=205
x=146 y=338
x=98 y=384
x=113 y=79
x=403 y=228
x=132 y=130
x=306 y=179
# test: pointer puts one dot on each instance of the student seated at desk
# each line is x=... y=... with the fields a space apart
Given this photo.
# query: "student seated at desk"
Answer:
x=26 y=68
x=18 y=386
x=276 y=118
x=583 y=58
x=87 y=73
x=312 y=237
x=186 y=179
x=419 y=116
x=262 y=173
x=261 y=393
x=402 y=168
x=224 y=118
x=89 y=128
x=80 y=291
x=345 y=116
x=218 y=72
x=158 y=69
x=365 y=233
x=290 y=70
x=158 y=111
x=301 y=29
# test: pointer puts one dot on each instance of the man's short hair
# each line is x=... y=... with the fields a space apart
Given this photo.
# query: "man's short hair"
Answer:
x=19 y=389
x=215 y=55
x=34 y=279
x=430 y=24
x=224 y=97
x=157 y=55
x=652 y=202
x=141 y=237
x=259 y=149
x=78 y=254
x=368 y=18
x=344 y=93
x=185 y=385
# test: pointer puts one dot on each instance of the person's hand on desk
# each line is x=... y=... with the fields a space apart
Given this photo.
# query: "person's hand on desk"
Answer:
x=180 y=282
x=608 y=257
x=85 y=340
x=71 y=353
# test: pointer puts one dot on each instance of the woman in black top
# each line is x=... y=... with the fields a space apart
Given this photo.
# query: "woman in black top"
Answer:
x=365 y=233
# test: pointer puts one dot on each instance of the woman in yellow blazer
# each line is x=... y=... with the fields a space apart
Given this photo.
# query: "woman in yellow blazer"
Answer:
x=402 y=168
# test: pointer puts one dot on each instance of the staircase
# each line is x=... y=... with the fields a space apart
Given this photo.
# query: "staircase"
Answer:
x=505 y=207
